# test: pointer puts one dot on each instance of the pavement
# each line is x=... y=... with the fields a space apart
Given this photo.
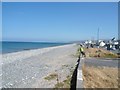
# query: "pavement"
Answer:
x=101 y=62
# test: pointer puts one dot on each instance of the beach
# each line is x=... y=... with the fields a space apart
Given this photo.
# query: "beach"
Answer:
x=29 y=68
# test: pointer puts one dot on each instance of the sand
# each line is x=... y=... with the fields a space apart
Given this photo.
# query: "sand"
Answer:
x=28 y=69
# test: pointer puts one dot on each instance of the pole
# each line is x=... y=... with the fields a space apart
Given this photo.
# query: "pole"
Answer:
x=98 y=37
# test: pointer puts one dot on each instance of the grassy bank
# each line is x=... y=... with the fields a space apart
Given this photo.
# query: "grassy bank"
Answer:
x=98 y=53
x=100 y=77
x=101 y=53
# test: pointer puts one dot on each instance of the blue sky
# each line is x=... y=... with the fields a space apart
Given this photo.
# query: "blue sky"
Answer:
x=59 y=22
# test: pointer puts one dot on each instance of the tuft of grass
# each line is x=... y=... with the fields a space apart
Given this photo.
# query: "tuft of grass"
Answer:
x=67 y=82
x=51 y=76
x=65 y=65
x=64 y=84
x=109 y=55
x=59 y=85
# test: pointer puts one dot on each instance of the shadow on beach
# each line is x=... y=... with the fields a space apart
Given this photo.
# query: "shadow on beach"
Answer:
x=74 y=77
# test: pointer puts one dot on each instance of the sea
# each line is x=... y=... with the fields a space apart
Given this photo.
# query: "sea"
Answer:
x=9 y=47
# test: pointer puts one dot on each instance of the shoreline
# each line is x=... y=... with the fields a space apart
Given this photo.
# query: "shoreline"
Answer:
x=25 y=50
x=28 y=53
x=12 y=47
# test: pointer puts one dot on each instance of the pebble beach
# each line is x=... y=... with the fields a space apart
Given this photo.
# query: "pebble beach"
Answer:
x=28 y=69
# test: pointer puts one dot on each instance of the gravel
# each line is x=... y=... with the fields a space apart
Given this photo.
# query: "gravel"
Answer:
x=27 y=69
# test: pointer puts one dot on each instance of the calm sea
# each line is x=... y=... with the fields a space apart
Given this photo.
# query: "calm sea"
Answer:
x=8 y=47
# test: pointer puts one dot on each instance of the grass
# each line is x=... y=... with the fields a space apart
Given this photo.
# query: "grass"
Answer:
x=65 y=65
x=59 y=85
x=98 y=52
x=51 y=76
x=99 y=77
x=64 y=84
x=103 y=54
x=109 y=55
x=67 y=82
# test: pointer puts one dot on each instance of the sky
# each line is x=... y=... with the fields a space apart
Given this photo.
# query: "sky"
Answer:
x=59 y=22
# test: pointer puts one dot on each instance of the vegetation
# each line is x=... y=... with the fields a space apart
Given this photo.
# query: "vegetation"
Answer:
x=51 y=76
x=100 y=77
x=99 y=53
x=65 y=83
x=110 y=55
x=65 y=65
x=59 y=85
